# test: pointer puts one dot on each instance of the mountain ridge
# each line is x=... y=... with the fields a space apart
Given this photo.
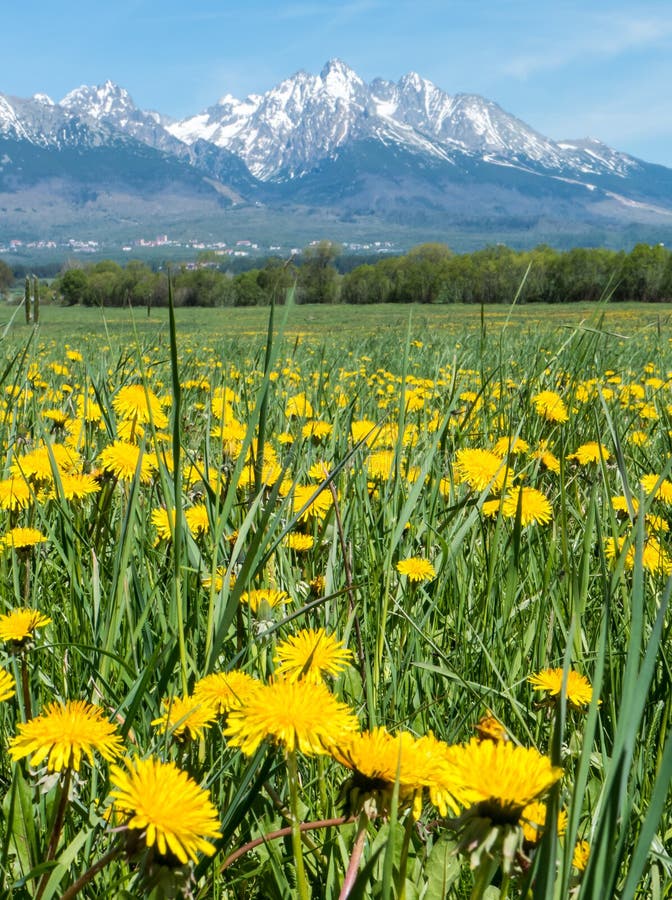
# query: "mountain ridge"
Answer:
x=333 y=143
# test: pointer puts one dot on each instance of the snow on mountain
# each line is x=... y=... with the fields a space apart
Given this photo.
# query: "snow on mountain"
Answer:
x=285 y=132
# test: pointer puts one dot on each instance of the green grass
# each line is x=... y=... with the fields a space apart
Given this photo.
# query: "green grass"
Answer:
x=134 y=620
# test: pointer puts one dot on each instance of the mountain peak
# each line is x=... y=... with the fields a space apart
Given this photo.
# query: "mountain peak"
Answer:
x=98 y=101
x=340 y=80
x=44 y=99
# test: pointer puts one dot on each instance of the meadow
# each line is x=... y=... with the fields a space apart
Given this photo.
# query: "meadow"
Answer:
x=366 y=602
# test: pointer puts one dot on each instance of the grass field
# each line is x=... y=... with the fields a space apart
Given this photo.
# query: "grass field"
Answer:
x=374 y=607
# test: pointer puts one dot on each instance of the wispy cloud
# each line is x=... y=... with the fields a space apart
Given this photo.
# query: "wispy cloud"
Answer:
x=606 y=37
x=330 y=13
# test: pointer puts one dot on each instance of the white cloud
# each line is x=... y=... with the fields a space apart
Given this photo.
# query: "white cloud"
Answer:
x=606 y=37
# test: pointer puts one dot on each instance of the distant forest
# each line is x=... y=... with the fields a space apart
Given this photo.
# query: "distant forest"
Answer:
x=429 y=273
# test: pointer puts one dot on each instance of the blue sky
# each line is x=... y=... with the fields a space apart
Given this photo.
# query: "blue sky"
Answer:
x=567 y=68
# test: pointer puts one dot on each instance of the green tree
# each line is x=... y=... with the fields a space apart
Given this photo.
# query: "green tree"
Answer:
x=36 y=300
x=424 y=273
x=318 y=280
x=6 y=277
x=26 y=299
x=72 y=286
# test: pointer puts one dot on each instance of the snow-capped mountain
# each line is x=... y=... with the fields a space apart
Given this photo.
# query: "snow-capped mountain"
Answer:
x=285 y=132
x=399 y=152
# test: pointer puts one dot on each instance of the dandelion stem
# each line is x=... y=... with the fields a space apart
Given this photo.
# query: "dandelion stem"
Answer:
x=25 y=686
x=90 y=873
x=355 y=857
x=283 y=832
x=361 y=658
x=297 y=847
x=56 y=829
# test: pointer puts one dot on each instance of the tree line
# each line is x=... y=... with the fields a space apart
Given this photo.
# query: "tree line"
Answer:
x=429 y=273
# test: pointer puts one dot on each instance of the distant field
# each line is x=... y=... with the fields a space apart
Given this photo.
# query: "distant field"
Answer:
x=426 y=322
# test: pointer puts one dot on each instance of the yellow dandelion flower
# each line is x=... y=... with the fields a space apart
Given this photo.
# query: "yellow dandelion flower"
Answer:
x=592 y=452
x=654 y=558
x=123 y=459
x=197 y=519
x=137 y=403
x=217 y=580
x=299 y=715
x=38 y=464
x=380 y=465
x=258 y=598
x=310 y=655
x=581 y=855
x=23 y=538
x=533 y=822
x=298 y=542
x=166 y=807
x=15 y=493
x=20 y=625
x=501 y=778
x=7 y=686
x=534 y=507
x=510 y=444
x=76 y=486
x=185 y=717
x=299 y=406
x=415 y=568
x=550 y=406
x=164 y=522
x=547 y=459
x=662 y=491
x=224 y=691
x=480 y=469
x=318 y=506
x=316 y=429
x=63 y=733
x=579 y=690
x=379 y=760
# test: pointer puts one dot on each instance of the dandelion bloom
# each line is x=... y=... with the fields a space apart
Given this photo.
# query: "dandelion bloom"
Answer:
x=310 y=655
x=533 y=821
x=185 y=717
x=39 y=464
x=534 y=507
x=480 y=469
x=123 y=459
x=579 y=690
x=654 y=558
x=137 y=403
x=547 y=459
x=224 y=691
x=76 y=486
x=318 y=506
x=415 y=568
x=510 y=444
x=550 y=406
x=501 y=778
x=581 y=855
x=379 y=760
x=63 y=733
x=257 y=598
x=299 y=715
x=15 y=493
x=299 y=406
x=298 y=542
x=23 y=538
x=592 y=452
x=197 y=519
x=661 y=491
x=169 y=810
x=7 y=686
x=20 y=625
